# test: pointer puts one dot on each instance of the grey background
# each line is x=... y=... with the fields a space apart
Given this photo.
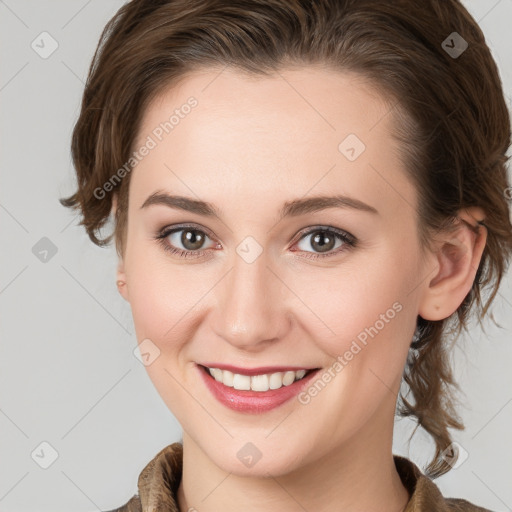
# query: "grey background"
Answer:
x=68 y=375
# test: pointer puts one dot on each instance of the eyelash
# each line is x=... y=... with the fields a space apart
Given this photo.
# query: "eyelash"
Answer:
x=348 y=240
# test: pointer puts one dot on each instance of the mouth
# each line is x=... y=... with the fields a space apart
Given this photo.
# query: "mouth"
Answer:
x=255 y=390
x=257 y=380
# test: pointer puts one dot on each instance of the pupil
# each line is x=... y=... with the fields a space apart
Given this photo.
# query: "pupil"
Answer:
x=326 y=245
x=191 y=240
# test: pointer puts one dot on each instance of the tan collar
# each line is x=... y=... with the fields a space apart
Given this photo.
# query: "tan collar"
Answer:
x=159 y=481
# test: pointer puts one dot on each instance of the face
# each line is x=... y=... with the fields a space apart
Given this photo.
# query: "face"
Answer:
x=328 y=286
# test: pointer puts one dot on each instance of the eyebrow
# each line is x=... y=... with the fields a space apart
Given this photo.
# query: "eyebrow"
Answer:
x=289 y=209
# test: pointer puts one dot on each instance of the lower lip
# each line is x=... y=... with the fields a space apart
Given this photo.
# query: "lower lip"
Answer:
x=253 y=401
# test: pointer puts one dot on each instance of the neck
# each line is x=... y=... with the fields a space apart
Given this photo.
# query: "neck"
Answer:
x=358 y=475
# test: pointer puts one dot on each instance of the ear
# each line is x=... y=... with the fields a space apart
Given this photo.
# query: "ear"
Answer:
x=122 y=285
x=457 y=259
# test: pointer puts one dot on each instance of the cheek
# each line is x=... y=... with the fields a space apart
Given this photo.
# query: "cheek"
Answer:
x=366 y=328
x=161 y=291
x=358 y=302
x=372 y=314
x=162 y=300
x=168 y=302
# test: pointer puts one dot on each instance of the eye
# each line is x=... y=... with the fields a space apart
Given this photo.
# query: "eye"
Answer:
x=323 y=240
x=189 y=238
x=326 y=242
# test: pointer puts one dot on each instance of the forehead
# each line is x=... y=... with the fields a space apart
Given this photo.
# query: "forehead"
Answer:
x=322 y=97
x=300 y=129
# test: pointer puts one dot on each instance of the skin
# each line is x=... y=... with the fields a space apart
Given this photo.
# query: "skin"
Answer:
x=250 y=145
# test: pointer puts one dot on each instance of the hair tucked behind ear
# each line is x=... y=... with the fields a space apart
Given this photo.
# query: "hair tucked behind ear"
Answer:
x=450 y=116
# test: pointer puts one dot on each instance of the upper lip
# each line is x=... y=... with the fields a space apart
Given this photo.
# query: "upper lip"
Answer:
x=255 y=371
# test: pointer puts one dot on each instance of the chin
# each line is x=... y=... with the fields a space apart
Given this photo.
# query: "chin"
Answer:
x=257 y=458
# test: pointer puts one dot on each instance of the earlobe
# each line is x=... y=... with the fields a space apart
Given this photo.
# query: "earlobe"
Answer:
x=458 y=257
x=121 y=275
x=121 y=281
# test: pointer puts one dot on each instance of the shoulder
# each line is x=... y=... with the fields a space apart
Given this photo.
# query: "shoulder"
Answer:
x=459 y=505
x=133 y=505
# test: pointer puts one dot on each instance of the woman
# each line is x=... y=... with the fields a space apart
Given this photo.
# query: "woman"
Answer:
x=309 y=197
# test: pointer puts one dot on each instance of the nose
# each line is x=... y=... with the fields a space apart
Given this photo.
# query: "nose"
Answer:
x=251 y=305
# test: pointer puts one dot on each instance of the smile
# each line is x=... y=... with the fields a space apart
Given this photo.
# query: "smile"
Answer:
x=254 y=393
x=262 y=382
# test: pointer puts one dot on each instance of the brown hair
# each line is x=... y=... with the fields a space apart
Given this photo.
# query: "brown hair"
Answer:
x=450 y=113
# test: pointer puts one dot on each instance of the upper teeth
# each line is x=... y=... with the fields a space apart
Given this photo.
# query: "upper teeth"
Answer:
x=256 y=382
